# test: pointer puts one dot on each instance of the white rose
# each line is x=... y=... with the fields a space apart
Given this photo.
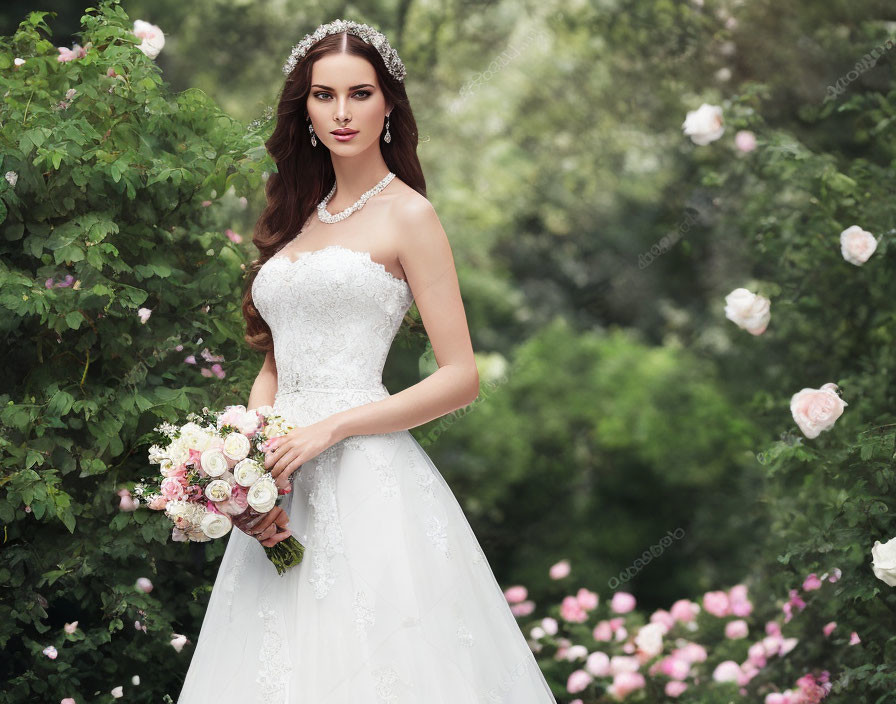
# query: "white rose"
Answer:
x=152 y=36
x=748 y=310
x=650 y=638
x=248 y=422
x=704 y=125
x=166 y=466
x=236 y=446
x=218 y=490
x=213 y=462
x=815 y=410
x=263 y=494
x=214 y=525
x=247 y=472
x=883 y=561
x=856 y=245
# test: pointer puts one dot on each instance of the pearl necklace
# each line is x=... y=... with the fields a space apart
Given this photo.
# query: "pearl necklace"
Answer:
x=324 y=215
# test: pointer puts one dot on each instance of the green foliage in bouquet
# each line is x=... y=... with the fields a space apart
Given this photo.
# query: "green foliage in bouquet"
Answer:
x=111 y=274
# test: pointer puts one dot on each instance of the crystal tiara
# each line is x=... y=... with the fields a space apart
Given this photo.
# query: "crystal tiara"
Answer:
x=365 y=32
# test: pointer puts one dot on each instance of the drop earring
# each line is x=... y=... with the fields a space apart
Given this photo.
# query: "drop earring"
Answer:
x=311 y=130
x=388 y=137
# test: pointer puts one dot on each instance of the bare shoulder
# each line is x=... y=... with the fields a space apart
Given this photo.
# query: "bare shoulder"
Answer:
x=418 y=224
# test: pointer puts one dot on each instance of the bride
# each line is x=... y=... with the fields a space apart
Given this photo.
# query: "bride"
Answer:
x=394 y=600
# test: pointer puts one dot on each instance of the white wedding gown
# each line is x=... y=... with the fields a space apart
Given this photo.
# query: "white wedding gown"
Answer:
x=394 y=600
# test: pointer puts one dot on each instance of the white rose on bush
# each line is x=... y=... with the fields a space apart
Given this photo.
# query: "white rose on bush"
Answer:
x=152 y=36
x=857 y=245
x=816 y=410
x=883 y=561
x=748 y=310
x=704 y=125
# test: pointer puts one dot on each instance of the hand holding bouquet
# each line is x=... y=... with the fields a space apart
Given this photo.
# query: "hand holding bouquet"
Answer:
x=212 y=475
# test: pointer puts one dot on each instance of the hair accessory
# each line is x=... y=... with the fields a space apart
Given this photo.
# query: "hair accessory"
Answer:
x=366 y=32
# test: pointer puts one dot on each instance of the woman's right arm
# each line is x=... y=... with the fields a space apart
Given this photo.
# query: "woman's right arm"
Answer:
x=263 y=391
x=265 y=387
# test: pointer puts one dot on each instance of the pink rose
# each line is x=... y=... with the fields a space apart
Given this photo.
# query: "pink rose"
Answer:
x=726 y=671
x=578 y=680
x=587 y=599
x=71 y=627
x=603 y=631
x=736 y=629
x=523 y=608
x=717 y=603
x=664 y=617
x=625 y=683
x=516 y=594
x=144 y=585
x=572 y=611
x=811 y=583
x=171 y=488
x=684 y=610
x=745 y=140
x=675 y=667
x=622 y=602
x=158 y=502
x=675 y=689
x=692 y=652
x=748 y=310
x=560 y=570
x=854 y=638
x=66 y=54
x=127 y=501
x=816 y=410
x=598 y=664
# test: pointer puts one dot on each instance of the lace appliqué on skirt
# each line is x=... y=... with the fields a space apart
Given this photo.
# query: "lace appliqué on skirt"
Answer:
x=326 y=533
x=275 y=664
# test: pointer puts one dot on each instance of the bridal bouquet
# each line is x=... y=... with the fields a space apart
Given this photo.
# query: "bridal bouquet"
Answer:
x=212 y=474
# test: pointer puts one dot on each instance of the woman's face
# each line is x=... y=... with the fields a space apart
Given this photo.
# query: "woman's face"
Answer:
x=345 y=93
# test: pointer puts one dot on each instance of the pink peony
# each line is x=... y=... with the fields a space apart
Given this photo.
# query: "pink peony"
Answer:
x=171 y=488
x=622 y=602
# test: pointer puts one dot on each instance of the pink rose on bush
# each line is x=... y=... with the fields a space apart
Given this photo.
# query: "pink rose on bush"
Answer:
x=684 y=610
x=675 y=689
x=598 y=664
x=572 y=611
x=523 y=609
x=736 y=629
x=727 y=671
x=559 y=570
x=587 y=599
x=622 y=602
x=811 y=583
x=578 y=680
x=717 y=603
x=816 y=410
x=624 y=683
x=603 y=631
x=516 y=594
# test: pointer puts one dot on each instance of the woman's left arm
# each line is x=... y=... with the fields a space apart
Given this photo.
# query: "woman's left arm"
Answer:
x=428 y=263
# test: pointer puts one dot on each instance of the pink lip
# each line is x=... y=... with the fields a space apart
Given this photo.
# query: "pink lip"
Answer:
x=343 y=137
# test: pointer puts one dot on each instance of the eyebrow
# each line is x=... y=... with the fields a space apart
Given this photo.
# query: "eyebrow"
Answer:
x=362 y=85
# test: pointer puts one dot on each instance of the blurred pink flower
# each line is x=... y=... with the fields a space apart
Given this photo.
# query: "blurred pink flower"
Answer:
x=684 y=610
x=206 y=203
x=178 y=641
x=598 y=664
x=218 y=371
x=664 y=617
x=71 y=627
x=811 y=583
x=717 y=603
x=577 y=681
x=190 y=359
x=603 y=631
x=516 y=594
x=233 y=236
x=571 y=610
x=523 y=609
x=622 y=602
x=736 y=629
x=675 y=689
x=144 y=314
x=127 y=502
x=144 y=585
x=68 y=700
x=726 y=671
x=835 y=575
x=587 y=599
x=66 y=54
x=854 y=638
x=745 y=140
x=829 y=628
x=559 y=570
x=51 y=652
x=624 y=683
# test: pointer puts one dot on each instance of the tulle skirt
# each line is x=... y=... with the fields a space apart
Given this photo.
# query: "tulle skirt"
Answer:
x=393 y=602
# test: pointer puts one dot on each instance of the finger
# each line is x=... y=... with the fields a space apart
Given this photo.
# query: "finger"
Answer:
x=267 y=532
x=266 y=520
x=282 y=520
x=276 y=538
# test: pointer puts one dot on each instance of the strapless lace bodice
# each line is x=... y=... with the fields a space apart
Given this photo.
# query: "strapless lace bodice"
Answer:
x=333 y=314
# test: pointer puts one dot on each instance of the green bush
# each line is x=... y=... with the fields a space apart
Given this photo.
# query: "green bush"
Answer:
x=112 y=273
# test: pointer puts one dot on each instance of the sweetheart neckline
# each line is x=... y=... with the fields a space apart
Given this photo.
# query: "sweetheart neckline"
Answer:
x=367 y=256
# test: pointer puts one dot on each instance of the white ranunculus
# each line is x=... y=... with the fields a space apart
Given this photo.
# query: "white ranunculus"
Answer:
x=218 y=490
x=214 y=525
x=247 y=472
x=816 y=410
x=263 y=494
x=883 y=561
x=152 y=36
x=236 y=446
x=748 y=310
x=213 y=462
x=856 y=245
x=704 y=125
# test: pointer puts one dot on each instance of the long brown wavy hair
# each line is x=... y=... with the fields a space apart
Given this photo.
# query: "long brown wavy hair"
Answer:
x=305 y=173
